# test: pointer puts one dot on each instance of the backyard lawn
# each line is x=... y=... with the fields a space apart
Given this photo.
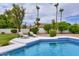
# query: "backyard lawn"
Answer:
x=5 y=38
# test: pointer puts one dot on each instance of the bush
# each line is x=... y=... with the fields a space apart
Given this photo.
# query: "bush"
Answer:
x=2 y=32
x=47 y=27
x=63 y=26
x=14 y=31
x=35 y=30
x=52 y=33
x=74 y=29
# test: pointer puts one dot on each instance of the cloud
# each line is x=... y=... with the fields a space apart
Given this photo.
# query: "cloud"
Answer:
x=47 y=11
x=4 y=6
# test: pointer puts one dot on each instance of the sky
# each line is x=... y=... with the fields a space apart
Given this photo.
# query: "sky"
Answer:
x=47 y=12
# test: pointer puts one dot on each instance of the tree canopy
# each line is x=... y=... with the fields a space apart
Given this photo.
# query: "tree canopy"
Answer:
x=13 y=17
x=63 y=26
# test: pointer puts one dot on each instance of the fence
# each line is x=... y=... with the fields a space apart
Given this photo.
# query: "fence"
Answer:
x=41 y=30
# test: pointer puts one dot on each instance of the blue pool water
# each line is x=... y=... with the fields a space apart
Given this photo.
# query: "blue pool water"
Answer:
x=47 y=49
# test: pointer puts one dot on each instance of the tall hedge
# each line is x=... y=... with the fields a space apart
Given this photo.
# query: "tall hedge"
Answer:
x=74 y=29
x=63 y=26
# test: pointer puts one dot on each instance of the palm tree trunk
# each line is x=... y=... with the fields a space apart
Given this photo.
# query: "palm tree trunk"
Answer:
x=61 y=17
x=37 y=13
x=56 y=18
x=56 y=13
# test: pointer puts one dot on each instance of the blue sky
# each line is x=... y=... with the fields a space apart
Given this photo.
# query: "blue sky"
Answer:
x=47 y=12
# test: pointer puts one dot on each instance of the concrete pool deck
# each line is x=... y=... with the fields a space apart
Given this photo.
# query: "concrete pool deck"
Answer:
x=47 y=35
x=5 y=49
x=20 y=42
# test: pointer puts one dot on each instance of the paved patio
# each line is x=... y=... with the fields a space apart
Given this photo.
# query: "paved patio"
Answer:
x=73 y=35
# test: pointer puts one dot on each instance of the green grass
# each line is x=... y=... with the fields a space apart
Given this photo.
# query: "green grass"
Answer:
x=5 y=38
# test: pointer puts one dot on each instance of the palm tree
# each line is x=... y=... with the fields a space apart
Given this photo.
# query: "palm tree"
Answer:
x=61 y=11
x=37 y=7
x=56 y=5
x=37 y=19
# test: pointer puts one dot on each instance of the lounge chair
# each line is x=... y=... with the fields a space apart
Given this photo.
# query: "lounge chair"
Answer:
x=32 y=34
x=22 y=35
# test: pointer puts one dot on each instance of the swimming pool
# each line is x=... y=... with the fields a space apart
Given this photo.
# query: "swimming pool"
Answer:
x=58 y=47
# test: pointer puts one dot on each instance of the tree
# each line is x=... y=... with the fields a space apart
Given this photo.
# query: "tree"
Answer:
x=63 y=26
x=9 y=19
x=37 y=7
x=74 y=29
x=18 y=14
x=47 y=27
x=56 y=5
x=61 y=11
x=3 y=21
x=37 y=19
x=24 y=25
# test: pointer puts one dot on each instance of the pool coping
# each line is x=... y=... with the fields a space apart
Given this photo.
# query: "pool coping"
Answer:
x=19 y=42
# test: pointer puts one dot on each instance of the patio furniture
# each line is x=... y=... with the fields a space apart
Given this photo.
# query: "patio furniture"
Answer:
x=32 y=34
x=22 y=35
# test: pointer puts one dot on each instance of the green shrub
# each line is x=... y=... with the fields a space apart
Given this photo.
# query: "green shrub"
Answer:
x=52 y=33
x=35 y=30
x=2 y=32
x=74 y=29
x=63 y=26
x=47 y=27
x=13 y=31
